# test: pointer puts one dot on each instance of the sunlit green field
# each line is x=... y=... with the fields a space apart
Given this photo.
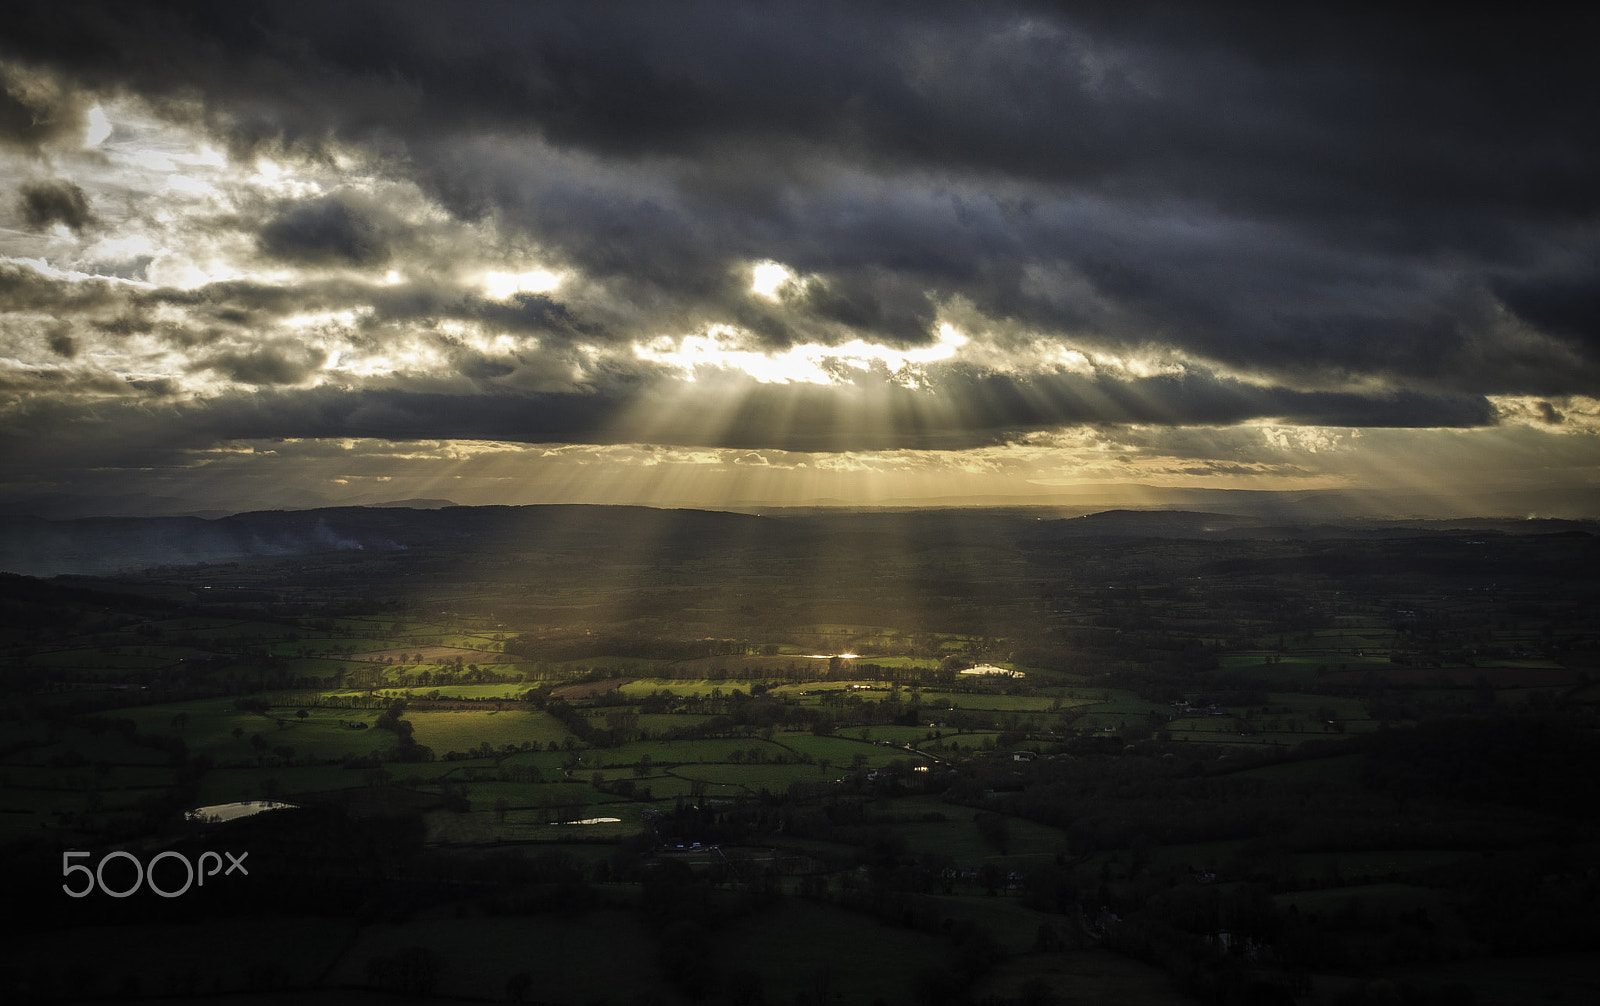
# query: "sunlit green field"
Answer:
x=464 y=730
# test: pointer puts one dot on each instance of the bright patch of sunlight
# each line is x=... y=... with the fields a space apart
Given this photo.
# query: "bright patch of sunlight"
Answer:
x=325 y=319
x=503 y=285
x=767 y=278
x=809 y=363
x=991 y=671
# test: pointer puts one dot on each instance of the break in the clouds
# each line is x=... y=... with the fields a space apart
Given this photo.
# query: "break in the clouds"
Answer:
x=825 y=231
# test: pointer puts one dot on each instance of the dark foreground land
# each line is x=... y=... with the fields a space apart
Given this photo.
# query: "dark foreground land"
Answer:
x=613 y=755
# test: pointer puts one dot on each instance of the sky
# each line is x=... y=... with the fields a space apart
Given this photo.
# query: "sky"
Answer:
x=722 y=255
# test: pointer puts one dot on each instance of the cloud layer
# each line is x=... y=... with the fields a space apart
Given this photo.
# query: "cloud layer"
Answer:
x=834 y=228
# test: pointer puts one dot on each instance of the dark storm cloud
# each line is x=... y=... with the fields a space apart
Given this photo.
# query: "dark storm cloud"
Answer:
x=244 y=301
x=126 y=324
x=62 y=343
x=1263 y=107
x=999 y=402
x=56 y=382
x=891 y=306
x=981 y=411
x=421 y=301
x=24 y=289
x=51 y=433
x=266 y=365
x=1565 y=304
x=35 y=111
x=54 y=202
x=1313 y=111
x=522 y=312
x=333 y=230
x=1550 y=414
x=1329 y=198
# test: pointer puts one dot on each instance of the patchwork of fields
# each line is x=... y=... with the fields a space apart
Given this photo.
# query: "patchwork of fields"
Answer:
x=1291 y=779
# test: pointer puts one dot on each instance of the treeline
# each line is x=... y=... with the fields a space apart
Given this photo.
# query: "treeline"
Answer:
x=741 y=713
x=1542 y=763
x=151 y=812
x=630 y=647
x=406 y=747
x=176 y=750
x=685 y=911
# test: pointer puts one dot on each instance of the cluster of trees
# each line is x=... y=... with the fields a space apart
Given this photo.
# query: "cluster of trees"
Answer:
x=558 y=649
x=1537 y=763
x=406 y=747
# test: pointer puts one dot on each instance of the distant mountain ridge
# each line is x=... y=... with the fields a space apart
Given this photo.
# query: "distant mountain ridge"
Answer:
x=35 y=546
x=96 y=545
x=1296 y=506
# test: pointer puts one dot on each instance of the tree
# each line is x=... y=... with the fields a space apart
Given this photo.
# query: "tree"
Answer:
x=820 y=981
x=746 y=988
x=517 y=986
x=412 y=971
x=685 y=958
x=994 y=829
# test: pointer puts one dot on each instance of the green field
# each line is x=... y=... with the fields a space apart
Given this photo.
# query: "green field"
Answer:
x=466 y=729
